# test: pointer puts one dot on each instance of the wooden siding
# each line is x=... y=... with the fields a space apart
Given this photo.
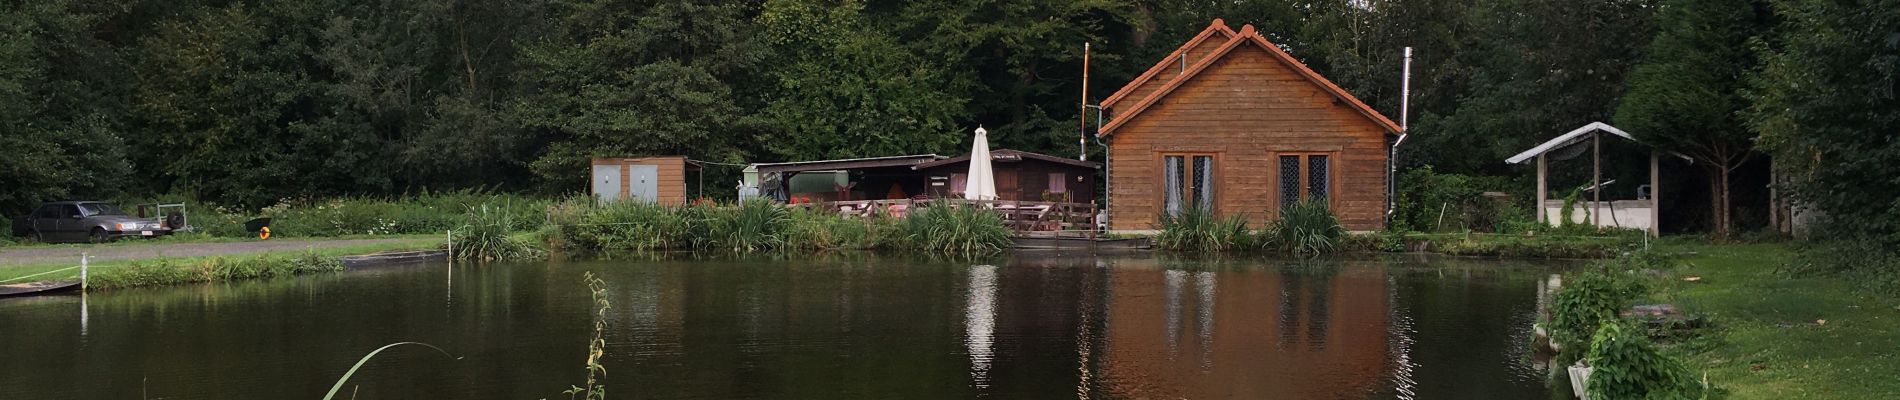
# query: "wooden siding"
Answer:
x=1247 y=109
x=672 y=176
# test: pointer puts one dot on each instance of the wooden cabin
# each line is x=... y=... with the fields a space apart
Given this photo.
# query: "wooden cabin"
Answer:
x=1020 y=176
x=655 y=179
x=1231 y=123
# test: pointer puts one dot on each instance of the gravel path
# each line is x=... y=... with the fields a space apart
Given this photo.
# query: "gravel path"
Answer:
x=48 y=255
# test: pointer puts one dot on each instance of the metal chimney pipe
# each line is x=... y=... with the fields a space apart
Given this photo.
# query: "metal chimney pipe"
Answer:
x=1405 y=128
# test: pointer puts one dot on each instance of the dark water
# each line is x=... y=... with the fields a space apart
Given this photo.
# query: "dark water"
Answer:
x=1034 y=326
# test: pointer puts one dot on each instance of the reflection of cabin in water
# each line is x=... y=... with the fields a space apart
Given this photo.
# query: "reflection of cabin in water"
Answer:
x=1322 y=334
x=1019 y=175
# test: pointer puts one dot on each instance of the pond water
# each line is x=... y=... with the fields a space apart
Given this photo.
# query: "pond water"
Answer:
x=854 y=326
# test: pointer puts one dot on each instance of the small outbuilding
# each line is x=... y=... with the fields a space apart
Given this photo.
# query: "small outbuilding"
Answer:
x=1641 y=212
x=1232 y=124
x=659 y=179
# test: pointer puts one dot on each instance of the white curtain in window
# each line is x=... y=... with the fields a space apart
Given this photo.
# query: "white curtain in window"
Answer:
x=1171 y=181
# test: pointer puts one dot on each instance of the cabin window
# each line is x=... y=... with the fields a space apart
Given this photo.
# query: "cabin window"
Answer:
x=956 y=183
x=1188 y=180
x=1058 y=182
x=1305 y=177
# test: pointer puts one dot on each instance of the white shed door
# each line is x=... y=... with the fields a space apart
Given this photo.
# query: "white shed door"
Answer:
x=643 y=182
x=607 y=182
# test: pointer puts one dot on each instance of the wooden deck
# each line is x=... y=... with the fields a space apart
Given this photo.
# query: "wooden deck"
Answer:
x=1075 y=219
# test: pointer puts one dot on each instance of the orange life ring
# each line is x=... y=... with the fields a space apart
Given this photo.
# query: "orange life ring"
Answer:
x=263 y=233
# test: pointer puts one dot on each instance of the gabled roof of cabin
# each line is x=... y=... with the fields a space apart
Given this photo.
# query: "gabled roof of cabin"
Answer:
x=1247 y=36
x=1215 y=31
x=1007 y=155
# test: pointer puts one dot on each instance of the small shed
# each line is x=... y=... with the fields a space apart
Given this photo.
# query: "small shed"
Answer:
x=1020 y=175
x=1643 y=212
x=659 y=179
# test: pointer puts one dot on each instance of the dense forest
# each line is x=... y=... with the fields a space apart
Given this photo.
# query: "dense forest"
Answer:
x=252 y=103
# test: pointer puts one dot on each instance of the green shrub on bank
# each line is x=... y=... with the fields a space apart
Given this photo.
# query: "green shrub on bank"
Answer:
x=751 y=226
x=583 y=225
x=1626 y=365
x=1195 y=229
x=485 y=235
x=421 y=213
x=1429 y=201
x=817 y=230
x=218 y=269
x=1531 y=246
x=1306 y=228
x=956 y=228
x=1583 y=305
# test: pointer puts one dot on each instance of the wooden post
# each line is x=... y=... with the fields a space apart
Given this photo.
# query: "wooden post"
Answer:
x=1655 y=193
x=1542 y=169
x=1596 y=178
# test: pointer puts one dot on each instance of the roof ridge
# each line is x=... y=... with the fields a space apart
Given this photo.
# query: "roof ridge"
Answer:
x=1249 y=34
x=1218 y=26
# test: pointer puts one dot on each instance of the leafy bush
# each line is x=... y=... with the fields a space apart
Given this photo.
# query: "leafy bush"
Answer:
x=485 y=236
x=1383 y=241
x=1583 y=305
x=814 y=230
x=1627 y=366
x=1306 y=228
x=1195 y=229
x=956 y=228
x=427 y=212
x=1424 y=196
x=749 y=227
x=1534 y=246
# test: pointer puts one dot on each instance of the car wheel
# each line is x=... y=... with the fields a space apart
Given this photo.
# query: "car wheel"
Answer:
x=99 y=235
x=39 y=236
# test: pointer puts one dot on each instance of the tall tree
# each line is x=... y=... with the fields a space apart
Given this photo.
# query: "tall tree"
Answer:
x=1537 y=68
x=60 y=115
x=846 y=89
x=1686 y=96
x=1827 y=106
x=617 y=78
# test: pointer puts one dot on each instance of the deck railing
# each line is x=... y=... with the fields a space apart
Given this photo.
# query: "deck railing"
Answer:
x=1022 y=216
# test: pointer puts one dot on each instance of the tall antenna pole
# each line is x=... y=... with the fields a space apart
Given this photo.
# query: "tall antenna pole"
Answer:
x=1082 y=136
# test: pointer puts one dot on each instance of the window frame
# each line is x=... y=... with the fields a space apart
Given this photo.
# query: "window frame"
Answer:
x=1305 y=173
x=1187 y=174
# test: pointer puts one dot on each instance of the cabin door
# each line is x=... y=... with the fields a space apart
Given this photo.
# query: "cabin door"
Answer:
x=1008 y=185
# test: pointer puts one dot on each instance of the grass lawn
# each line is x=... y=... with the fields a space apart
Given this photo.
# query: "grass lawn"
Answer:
x=1778 y=337
x=12 y=273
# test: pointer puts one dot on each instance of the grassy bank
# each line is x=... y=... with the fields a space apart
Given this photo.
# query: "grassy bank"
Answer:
x=180 y=270
x=1524 y=246
x=1785 y=337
